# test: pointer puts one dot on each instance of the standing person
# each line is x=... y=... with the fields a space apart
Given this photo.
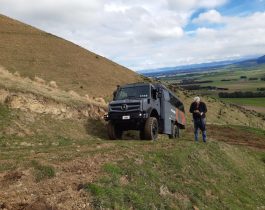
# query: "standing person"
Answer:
x=198 y=110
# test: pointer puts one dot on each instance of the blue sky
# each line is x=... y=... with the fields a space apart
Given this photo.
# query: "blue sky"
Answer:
x=242 y=7
x=141 y=34
x=239 y=8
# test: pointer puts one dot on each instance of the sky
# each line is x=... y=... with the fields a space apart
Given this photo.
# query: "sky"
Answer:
x=141 y=34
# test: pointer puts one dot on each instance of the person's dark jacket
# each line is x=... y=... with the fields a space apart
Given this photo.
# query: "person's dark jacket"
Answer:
x=201 y=107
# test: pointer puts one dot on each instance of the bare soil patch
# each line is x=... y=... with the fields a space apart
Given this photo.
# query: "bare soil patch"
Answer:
x=236 y=136
x=255 y=108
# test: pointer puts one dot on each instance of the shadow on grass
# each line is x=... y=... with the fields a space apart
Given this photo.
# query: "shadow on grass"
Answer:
x=97 y=128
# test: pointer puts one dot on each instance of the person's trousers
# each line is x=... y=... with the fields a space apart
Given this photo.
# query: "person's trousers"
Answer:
x=199 y=124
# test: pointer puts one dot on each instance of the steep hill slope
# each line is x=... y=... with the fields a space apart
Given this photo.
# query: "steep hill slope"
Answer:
x=32 y=53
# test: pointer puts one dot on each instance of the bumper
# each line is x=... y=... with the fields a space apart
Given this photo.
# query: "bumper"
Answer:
x=125 y=117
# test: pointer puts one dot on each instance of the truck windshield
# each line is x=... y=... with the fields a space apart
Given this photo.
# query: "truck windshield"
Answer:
x=133 y=92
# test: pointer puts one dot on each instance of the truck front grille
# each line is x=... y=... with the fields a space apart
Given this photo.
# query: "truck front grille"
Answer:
x=125 y=107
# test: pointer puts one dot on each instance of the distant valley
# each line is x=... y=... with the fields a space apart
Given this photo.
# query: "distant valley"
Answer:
x=202 y=67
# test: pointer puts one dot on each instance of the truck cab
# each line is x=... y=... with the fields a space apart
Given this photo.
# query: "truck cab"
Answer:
x=149 y=108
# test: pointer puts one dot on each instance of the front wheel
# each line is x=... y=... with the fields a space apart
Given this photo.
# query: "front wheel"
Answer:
x=151 y=128
x=113 y=131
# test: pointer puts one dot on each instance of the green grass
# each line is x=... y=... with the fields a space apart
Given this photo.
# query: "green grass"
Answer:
x=5 y=116
x=7 y=166
x=63 y=141
x=259 y=102
x=209 y=176
x=42 y=171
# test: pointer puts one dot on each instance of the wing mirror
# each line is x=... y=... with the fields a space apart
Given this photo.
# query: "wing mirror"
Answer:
x=159 y=93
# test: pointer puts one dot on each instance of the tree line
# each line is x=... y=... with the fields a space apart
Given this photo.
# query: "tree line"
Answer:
x=239 y=94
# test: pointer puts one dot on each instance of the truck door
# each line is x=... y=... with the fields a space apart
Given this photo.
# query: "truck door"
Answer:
x=168 y=112
x=155 y=103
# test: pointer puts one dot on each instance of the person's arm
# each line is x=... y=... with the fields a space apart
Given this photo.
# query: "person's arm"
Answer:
x=205 y=108
x=191 y=108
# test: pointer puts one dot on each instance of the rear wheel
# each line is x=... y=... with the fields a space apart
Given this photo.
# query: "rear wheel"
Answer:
x=113 y=131
x=174 y=132
x=151 y=128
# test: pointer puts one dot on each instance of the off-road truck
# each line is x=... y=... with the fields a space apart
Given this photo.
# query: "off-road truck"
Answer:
x=149 y=108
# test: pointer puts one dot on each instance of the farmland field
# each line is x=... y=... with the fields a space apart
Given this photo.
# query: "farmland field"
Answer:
x=259 y=102
x=229 y=80
x=256 y=104
x=236 y=83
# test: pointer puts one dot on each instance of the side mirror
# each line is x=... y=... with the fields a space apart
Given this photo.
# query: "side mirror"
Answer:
x=154 y=94
x=159 y=93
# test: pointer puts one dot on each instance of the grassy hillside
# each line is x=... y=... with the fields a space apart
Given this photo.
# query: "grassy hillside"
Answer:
x=36 y=53
x=57 y=167
x=182 y=176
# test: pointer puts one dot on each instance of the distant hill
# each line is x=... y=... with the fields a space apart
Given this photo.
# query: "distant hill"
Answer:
x=192 y=68
x=188 y=67
x=251 y=62
x=33 y=52
x=261 y=60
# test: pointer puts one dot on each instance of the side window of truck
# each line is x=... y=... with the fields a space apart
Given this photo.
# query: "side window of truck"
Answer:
x=166 y=95
x=153 y=93
x=174 y=101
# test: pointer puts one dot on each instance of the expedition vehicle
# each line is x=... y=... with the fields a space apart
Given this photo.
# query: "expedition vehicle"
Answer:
x=149 y=108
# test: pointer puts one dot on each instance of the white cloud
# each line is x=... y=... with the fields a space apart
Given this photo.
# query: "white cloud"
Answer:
x=211 y=16
x=188 y=5
x=115 y=8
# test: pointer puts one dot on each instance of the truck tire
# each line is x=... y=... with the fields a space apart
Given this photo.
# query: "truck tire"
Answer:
x=113 y=131
x=174 y=132
x=151 y=128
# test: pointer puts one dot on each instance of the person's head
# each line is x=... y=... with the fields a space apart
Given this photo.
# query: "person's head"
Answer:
x=197 y=99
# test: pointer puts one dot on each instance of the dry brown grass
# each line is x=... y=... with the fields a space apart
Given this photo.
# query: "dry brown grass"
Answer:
x=32 y=52
x=53 y=84
x=37 y=87
x=39 y=80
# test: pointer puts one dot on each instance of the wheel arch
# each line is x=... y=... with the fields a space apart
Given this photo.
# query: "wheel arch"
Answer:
x=154 y=113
